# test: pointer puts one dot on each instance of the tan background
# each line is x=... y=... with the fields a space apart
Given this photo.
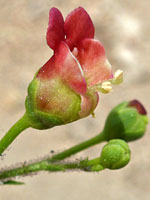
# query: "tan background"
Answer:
x=124 y=28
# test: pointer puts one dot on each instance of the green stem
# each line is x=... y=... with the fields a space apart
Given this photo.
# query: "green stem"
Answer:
x=28 y=169
x=50 y=165
x=45 y=165
x=79 y=147
x=14 y=131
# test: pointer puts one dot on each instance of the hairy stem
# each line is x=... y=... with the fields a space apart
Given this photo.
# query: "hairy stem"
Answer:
x=50 y=164
x=46 y=165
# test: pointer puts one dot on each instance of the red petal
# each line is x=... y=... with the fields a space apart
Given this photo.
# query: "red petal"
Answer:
x=55 y=31
x=94 y=63
x=69 y=69
x=48 y=70
x=78 y=25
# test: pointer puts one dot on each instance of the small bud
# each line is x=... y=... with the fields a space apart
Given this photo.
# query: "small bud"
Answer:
x=126 y=121
x=115 y=154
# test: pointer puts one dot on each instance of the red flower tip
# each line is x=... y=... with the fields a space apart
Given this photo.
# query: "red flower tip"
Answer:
x=78 y=25
x=136 y=104
x=55 y=30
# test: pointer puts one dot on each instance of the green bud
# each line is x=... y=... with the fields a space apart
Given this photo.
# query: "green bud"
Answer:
x=126 y=121
x=115 y=154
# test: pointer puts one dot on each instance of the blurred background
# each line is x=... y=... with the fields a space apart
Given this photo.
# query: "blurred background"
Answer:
x=124 y=29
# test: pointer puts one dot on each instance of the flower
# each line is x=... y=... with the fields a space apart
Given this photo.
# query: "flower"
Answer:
x=65 y=88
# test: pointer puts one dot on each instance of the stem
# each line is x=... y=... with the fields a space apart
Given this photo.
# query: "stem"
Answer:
x=49 y=165
x=45 y=165
x=14 y=131
x=79 y=147
x=28 y=169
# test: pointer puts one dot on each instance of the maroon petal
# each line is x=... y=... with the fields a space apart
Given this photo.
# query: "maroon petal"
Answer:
x=55 y=31
x=140 y=108
x=78 y=25
x=69 y=69
x=94 y=63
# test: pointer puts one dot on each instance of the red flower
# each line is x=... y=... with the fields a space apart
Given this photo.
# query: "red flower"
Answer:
x=75 y=51
x=79 y=64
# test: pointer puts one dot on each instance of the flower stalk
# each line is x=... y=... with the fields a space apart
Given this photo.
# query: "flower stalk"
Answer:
x=46 y=165
x=79 y=147
x=14 y=131
x=114 y=155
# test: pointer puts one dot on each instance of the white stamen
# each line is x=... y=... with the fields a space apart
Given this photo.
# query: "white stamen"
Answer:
x=118 y=77
x=104 y=87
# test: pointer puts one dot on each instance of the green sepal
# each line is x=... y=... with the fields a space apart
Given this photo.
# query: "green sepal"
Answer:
x=96 y=168
x=41 y=119
x=38 y=119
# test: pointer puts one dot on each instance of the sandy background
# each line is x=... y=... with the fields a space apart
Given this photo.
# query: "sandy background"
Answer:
x=124 y=29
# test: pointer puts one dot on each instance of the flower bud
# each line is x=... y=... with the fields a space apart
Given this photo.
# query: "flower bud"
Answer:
x=115 y=154
x=126 y=121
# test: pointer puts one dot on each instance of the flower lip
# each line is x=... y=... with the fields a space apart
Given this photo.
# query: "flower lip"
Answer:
x=136 y=104
x=73 y=29
x=55 y=30
x=78 y=26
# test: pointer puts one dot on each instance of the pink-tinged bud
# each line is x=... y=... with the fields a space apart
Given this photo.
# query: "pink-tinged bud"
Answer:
x=65 y=88
x=127 y=121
